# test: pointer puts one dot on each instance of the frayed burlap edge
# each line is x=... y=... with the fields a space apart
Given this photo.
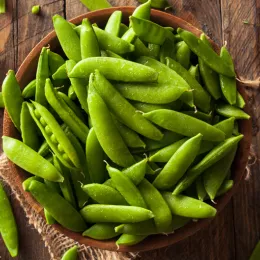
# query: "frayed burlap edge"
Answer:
x=56 y=242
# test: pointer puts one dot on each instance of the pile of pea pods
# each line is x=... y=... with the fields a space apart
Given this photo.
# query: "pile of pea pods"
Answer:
x=133 y=134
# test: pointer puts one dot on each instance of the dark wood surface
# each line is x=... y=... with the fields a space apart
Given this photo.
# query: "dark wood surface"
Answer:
x=235 y=231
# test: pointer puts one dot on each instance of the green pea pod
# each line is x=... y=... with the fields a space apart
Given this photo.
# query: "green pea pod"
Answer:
x=113 y=23
x=214 y=176
x=25 y=157
x=123 y=29
x=115 y=214
x=65 y=112
x=225 y=187
x=129 y=36
x=188 y=207
x=195 y=72
x=104 y=126
x=177 y=122
x=101 y=231
x=143 y=11
x=60 y=73
x=226 y=126
x=113 y=55
x=142 y=73
x=141 y=228
x=48 y=217
x=54 y=61
x=129 y=240
x=8 y=228
x=183 y=54
x=104 y=194
x=231 y=111
x=12 y=98
x=71 y=254
x=256 y=252
x=1 y=100
x=201 y=192
x=27 y=182
x=160 y=4
x=236 y=129
x=240 y=101
x=122 y=109
x=146 y=107
x=58 y=207
x=206 y=53
x=29 y=129
x=167 y=50
x=88 y=40
x=199 y=115
x=156 y=203
x=71 y=93
x=201 y=97
x=228 y=84
x=29 y=90
x=209 y=76
x=154 y=50
x=96 y=4
x=126 y=187
x=211 y=158
x=140 y=48
x=178 y=163
x=64 y=32
x=54 y=186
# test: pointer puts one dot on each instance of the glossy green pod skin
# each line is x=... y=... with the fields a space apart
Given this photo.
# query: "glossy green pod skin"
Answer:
x=27 y=182
x=201 y=192
x=96 y=4
x=129 y=240
x=71 y=93
x=195 y=72
x=113 y=23
x=58 y=207
x=225 y=187
x=240 y=101
x=199 y=115
x=48 y=217
x=123 y=29
x=140 y=48
x=113 y=55
x=146 y=107
x=143 y=11
x=60 y=73
x=12 y=97
x=54 y=61
x=226 y=126
x=29 y=160
x=183 y=54
x=168 y=49
x=71 y=254
x=8 y=227
x=160 y=4
x=154 y=50
x=231 y=111
x=29 y=90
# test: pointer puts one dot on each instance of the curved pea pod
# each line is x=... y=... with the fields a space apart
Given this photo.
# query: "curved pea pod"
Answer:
x=129 y=240
x=25 y=157
x=127 y=71
x=113 y=55
x=236 y=129
x=225 y=187
x=231 y=111
x=201 y=97
x=140 y=228
x=156 y=203
x=209 y=76
x=122 y=109
x=71 y=93
x=12 y=97
x=60 y=73
x=214 y=176
x=48 y=217
x=228 y=84
x=184 y=124
x=104 y=194
x=96 y=4
x=29 y=90
x=201 y=192
x=113 y=23
x=64 y=32
x=154 y=50
x=88 y=40
x=206 y=53
x=27 y=182
x=71 y=254
x=54 y=186
x=199 y=115
x=103 y=125
x=146 y=107
x=226 y=126
x=54 y=61
x=101 y=231
x=29 y=129
x=167 y=50
x=194 y=72
x=126 y=187
x=115 y=214
x=143 y=11
x=178 y=163
x=65 y=112
x=183 y=54
x=113 y=43
x=188 y=207
x=123 y=29
x=212 y=157
x=160 y=4
x=240 y=101
x=140 y=48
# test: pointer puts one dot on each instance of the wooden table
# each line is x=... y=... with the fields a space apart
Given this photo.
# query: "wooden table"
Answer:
x=235 y=231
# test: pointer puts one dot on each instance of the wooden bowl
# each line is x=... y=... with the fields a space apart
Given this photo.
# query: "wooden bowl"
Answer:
x=26 y=73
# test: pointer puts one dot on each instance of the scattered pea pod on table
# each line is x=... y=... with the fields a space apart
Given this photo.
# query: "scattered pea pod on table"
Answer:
x=158 y=106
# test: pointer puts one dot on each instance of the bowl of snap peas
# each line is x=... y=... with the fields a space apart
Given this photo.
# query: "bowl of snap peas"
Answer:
x=126 y=128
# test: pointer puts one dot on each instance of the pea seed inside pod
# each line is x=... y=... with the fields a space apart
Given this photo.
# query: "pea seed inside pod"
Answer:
x=53 y=139
x=43 y=121
x=48 y=130
x=65 y=156
x=37 y=114
x=60 y=148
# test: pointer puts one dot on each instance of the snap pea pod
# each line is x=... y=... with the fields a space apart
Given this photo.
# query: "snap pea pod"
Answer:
x=201 y=192
x=206 y=53
x=143 y=11
x=101 y=231
x=71 y=93
x=44 y=149
x=60 y=73
x=126 y=187
x=8 y=227
x=71 y=254
x=54 y=186
x=184 y=124
x=240 y=102
x=228 y=84
x=256 y=252
x=129 y=36
x=113 y=23
x=25 y=157
x=140 y=48
x=29 y=90
x=214 y=176
x=226 y=126
x=64 y=32
x=231 y=111
x=129 y=240
x=54 y=135
x=225 y=187
x=236 y=129
x=201 y=97
x=188 y=207
x=209 y=76
x=123 y=29
x=29 y=129
x=195 y=72
x=122 y=109
x=65 y=112
x=212 y=157
x=58 y=207
x=156 y=203
x=48 y=217
x=154 y=50
x=103 y=125
x=115 y=214
x=12 y=97
x=160 y=4
x=146 y=107
x=104 y=194
x=54 y=61
x=27 y=182
x=199 y=115
x=113 y=55
x=178 y=163
x=127 y=71
x=167 y=50
x=183 y=54
x=96 y=4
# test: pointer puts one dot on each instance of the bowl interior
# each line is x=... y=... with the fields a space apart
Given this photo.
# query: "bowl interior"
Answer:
x=26 y=73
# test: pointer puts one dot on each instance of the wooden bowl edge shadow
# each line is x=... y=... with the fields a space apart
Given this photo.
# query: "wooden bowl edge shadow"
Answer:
x=155 y=241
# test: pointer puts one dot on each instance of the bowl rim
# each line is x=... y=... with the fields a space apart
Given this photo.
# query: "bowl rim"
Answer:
x=153 y=241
